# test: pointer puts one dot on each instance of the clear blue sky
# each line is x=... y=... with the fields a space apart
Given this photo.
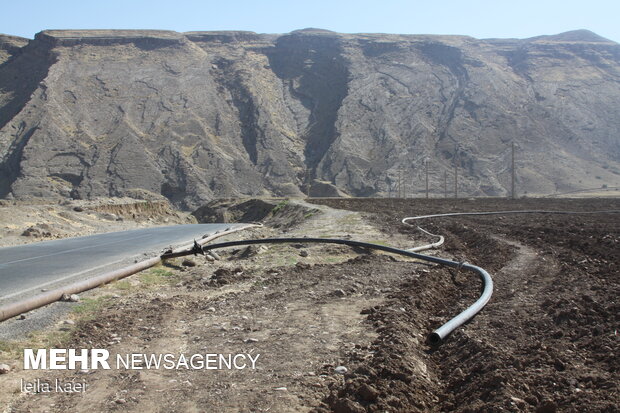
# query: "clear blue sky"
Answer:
x=477 y=18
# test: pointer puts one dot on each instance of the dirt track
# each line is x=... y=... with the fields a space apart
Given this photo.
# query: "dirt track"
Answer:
x=546 y=342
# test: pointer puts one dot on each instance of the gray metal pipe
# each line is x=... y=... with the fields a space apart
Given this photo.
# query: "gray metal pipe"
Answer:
x=531 y=211
x=436 y=244
x=439 y=334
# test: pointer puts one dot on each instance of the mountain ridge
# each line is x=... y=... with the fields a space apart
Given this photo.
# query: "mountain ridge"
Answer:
x=200 y=115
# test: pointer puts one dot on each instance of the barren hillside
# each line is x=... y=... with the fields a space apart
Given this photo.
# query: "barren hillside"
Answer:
x=200 y=115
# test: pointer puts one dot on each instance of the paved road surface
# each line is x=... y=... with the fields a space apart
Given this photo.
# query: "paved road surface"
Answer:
x=29 y=268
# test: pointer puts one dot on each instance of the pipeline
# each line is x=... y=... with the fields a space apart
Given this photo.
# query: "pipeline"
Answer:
x=437 y=335
x=454 y=323
x=436 y=244
x=443 y=331
x=441 y=238
x=531 y=211
x=453 y=214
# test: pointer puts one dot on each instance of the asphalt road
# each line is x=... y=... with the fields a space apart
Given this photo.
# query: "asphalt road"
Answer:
x=29 y=268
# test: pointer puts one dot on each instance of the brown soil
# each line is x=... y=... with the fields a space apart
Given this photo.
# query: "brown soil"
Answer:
x=548 y=339
x=546 y=342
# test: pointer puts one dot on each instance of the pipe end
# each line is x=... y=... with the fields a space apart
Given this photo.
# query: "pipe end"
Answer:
x=434 y=338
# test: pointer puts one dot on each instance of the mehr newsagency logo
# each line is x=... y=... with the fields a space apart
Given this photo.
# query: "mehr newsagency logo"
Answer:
x=98 y=358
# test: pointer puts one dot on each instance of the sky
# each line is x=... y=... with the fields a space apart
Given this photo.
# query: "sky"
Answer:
x=476 y=18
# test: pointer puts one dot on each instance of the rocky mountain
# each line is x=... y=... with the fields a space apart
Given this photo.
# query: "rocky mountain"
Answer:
x=203 y=115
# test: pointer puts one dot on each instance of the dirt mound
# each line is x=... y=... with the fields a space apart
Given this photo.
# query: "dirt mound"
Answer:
x=139 y=210
x=400 y=376
x=274 y=213
x=233 y=210
x=38 y=231
x=325 y=189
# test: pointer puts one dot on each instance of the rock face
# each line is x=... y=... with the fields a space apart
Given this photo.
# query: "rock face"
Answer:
x=200 y=115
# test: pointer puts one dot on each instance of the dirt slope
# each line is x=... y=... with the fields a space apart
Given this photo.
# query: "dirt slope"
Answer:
x=25 y=222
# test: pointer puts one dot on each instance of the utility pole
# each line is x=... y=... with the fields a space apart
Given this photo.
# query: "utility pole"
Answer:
x=445 y=184
x=426 y=165
x=399 y=180
x=456 y=175
x=514 y=195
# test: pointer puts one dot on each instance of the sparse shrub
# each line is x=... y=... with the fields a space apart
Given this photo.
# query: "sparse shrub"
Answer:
x=279 y=206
